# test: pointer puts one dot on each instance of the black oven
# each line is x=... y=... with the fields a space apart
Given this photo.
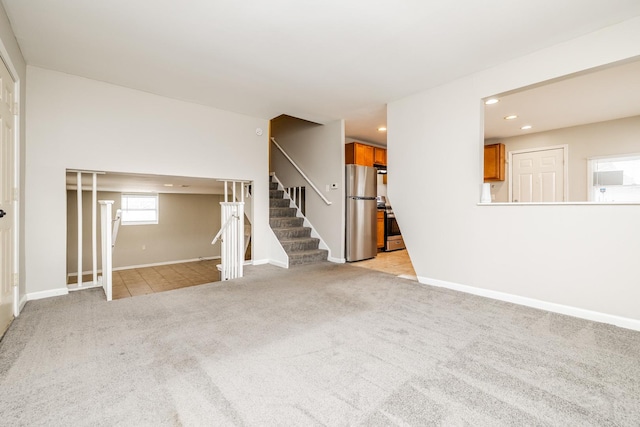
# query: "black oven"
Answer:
x=392 y=228
x=392 y=236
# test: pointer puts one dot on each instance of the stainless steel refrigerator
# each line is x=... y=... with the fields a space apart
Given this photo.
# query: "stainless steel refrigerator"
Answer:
x=361 y=189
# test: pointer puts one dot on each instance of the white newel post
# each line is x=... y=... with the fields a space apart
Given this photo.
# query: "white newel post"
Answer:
x=105 y=226
x=232 y=246
x=231 y=234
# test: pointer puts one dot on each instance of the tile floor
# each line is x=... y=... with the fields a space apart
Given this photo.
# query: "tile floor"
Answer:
x=141 y=281
x=395 y=262
x=147 y=280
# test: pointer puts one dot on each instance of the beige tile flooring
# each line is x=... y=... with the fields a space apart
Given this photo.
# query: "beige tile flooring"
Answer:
x=147 y=280
x=395 y=262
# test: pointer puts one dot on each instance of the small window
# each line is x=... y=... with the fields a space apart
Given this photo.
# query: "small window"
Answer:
x=615 y=179
x=139 y=209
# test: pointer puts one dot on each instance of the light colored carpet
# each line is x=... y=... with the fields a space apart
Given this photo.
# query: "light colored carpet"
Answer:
x=321 y=344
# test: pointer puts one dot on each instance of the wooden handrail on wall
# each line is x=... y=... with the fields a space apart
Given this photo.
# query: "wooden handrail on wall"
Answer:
x=306 y=178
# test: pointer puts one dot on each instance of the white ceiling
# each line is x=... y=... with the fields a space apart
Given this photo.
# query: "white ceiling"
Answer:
x=607 y=93
x=318 y=61
x=139 y=183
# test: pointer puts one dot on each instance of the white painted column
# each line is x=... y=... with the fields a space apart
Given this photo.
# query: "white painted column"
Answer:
x=225 y=254
x=94 y=228
x=105 y=222
x=79 y=201
x=240 y=239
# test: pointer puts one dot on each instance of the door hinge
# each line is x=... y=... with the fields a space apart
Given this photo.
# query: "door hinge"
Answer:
x=16 y=280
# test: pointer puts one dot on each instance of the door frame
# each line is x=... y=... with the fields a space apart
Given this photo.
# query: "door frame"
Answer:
x=6 y=59
x=565 y=169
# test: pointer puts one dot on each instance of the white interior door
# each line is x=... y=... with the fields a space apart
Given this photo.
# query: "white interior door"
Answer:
x=7 y=196
x=538 y=176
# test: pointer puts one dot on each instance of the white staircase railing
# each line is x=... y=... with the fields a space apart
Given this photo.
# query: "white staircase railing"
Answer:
x=107 y=248
x=298 y=195
x=224 y=228
x=116 y=226
x=231 y=234
x=94 y=213
x=306 y=178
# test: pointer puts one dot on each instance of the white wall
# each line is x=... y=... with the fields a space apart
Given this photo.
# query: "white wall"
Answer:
x=580 y=256
x=186 y=225
x=608 y=138
x=319 y=152
x=10 y=53
x=77 y=123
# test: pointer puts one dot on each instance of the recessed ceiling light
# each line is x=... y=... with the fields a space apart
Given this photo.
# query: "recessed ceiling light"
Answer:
x=511 y=117
x=491 y=101
x=526 y=127
x=382 y=129
x=168 y=185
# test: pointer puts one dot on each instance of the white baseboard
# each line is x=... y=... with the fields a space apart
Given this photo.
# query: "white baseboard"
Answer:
x=260 y=261
x=279 y=263
x=156 y=264
x=85 y=285
x=31 y=296
x=131 y=267
x=336 y=260
x=22 y=302
x=623 y=322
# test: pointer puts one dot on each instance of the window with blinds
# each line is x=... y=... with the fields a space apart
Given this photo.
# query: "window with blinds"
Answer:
x=139 y=209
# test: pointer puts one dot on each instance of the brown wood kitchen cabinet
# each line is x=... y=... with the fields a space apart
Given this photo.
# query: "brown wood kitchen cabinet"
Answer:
x=380 y=227
x=358 y=154
x=379 y=156
x=494 y=163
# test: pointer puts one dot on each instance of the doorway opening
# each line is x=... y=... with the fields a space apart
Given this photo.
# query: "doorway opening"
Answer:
x=9 y=152
x=397 y=263
x=165 y=242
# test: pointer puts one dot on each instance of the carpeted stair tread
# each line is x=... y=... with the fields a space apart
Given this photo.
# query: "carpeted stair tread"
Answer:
x=276 y=194
x=282 y=212
x=279 y=203
x=299 y=244
x=305 y=257
x=291 y=232
x=286 y=222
